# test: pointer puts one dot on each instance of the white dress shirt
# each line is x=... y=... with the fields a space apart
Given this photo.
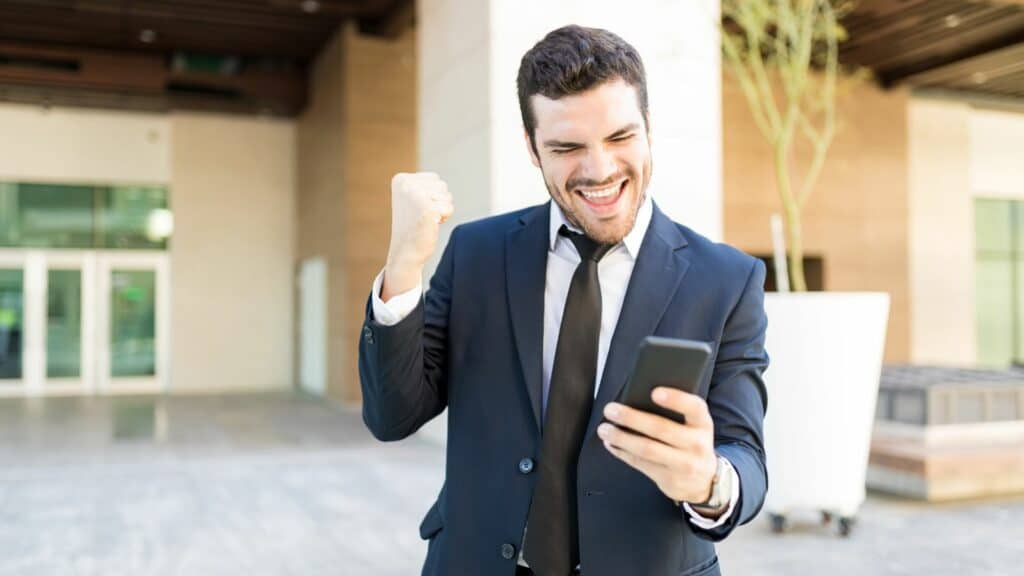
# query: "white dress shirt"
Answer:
x=613 y=271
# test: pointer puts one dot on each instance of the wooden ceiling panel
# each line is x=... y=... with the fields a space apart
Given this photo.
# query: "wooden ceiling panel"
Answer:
x=945 y=44
x=254 y=27
x=964 y=45
x=251 y=56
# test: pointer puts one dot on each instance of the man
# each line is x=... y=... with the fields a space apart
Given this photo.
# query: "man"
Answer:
x=529 y=330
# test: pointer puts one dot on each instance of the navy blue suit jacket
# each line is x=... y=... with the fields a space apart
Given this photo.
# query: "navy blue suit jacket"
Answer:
x=473 y=345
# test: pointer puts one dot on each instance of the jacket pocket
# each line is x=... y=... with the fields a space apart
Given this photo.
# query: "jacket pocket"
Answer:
x=431 y=523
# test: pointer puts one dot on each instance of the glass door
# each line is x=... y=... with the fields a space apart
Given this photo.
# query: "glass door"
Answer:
x=67 y=280
x=83 y=322
x=84 y=288
x=12 y=324
x=45 y=322
x=134 y=331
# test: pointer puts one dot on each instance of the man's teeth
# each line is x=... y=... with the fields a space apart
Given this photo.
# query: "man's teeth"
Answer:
x=601 y=193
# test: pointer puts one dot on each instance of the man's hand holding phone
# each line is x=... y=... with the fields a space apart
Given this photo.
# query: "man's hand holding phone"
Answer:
x=679 y=458
x=662 y=427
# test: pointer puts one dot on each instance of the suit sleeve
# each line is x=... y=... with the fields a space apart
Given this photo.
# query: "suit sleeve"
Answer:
x=403 y=367
x=737 y=400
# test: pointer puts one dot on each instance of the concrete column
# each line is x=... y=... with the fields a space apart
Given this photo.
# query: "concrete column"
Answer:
x=358 y=130
x=941 y=234
x=470 y=128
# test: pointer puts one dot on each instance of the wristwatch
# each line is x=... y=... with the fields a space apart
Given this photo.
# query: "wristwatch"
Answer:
x=721 y=490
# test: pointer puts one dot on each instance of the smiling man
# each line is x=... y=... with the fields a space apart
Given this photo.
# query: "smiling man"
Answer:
x=527 y=334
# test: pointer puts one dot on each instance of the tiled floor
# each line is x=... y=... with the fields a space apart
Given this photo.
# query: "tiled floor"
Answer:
x=280 y=484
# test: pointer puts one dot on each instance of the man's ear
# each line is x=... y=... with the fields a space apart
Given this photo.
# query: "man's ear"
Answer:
x=529 y=148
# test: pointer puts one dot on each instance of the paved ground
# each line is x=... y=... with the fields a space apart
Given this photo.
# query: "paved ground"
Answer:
x=282 y=484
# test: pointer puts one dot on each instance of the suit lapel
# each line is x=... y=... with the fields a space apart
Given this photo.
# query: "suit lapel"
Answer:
x=660 y=266
x=526 y=256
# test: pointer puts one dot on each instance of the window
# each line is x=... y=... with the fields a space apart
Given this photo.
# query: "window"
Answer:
x=814 y=272
x=999 y=280
x=74 y=216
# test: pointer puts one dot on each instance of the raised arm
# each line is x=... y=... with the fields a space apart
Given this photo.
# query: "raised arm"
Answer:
x=402 y=368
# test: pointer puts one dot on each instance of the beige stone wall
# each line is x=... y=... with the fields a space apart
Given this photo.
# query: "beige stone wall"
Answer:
x=997 y=151
x=319 y=205
x=380 y=135
x=232 y=194
x=941 y=234
x=958 y=152
x=856 y=220
x=83 y=146
x=359 y=130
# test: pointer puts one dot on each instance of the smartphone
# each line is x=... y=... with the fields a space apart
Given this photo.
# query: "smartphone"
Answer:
x=671 y=362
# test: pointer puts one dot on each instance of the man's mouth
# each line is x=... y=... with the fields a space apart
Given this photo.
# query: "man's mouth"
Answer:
x=603 y=198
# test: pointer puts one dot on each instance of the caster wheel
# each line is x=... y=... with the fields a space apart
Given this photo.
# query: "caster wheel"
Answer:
x=845 y=526
x=826 y=517
x=778 y=523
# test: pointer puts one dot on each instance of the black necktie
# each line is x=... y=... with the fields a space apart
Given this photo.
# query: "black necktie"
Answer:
x=552 y=533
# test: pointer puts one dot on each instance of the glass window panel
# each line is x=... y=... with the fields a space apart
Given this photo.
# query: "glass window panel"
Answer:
x=1018 y=329
x=47 y=216
x=11 y=294
x=994 y=305
x=992 y=225
x=8 y=214
x=69 y=216
x=133 y=217
x=64 y=323
x=133 y=323
x=1018 y=228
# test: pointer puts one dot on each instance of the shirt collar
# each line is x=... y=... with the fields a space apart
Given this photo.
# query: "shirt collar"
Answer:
x=632 y=241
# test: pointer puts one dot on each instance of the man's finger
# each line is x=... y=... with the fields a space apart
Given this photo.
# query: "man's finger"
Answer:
x=652 y=470
x=640 y=446
x=658 y=427
x=690 y=405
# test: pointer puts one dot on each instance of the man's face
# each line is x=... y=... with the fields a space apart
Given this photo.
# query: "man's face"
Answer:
x=595 y=156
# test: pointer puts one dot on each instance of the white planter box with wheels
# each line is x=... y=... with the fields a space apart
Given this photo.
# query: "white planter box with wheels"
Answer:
x=826 y=359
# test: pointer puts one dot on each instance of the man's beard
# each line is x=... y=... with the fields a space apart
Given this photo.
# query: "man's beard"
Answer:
x=601 y=234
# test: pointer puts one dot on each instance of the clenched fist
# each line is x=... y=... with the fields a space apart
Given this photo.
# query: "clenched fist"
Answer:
x=420 y=202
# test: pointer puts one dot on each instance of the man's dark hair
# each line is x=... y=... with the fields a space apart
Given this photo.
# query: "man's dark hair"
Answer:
x=574 y=59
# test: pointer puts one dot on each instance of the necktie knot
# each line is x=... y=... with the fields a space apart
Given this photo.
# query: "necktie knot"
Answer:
x=588 y=248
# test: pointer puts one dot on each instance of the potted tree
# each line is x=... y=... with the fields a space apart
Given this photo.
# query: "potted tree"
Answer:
x=826 y=347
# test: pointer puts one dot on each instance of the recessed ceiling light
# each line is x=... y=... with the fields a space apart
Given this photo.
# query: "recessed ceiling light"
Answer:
x=952 y=21
x=310 y=6
x=147 y=36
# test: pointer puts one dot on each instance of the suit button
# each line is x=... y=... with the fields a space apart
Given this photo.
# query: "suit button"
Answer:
x=526 y=465
x=508 y=551
x=367 y=334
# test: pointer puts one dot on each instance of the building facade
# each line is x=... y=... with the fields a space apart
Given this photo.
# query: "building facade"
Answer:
x=192 y=252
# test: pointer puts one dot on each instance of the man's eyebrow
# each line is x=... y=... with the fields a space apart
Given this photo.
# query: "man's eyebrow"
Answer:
x=624 y=130
x=620 y=132
x=560 y=144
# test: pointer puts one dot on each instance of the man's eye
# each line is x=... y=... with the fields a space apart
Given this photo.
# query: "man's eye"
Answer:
x=563 y=150
x=622 y=138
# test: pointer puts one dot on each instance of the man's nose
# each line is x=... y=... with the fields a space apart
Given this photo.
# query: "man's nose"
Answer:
x=599 y=165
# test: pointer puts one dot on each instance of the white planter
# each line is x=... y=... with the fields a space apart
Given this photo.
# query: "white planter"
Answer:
x=826 y=359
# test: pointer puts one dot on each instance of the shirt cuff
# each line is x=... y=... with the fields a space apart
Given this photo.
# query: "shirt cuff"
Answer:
x=707 y=523
x=398 y=307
